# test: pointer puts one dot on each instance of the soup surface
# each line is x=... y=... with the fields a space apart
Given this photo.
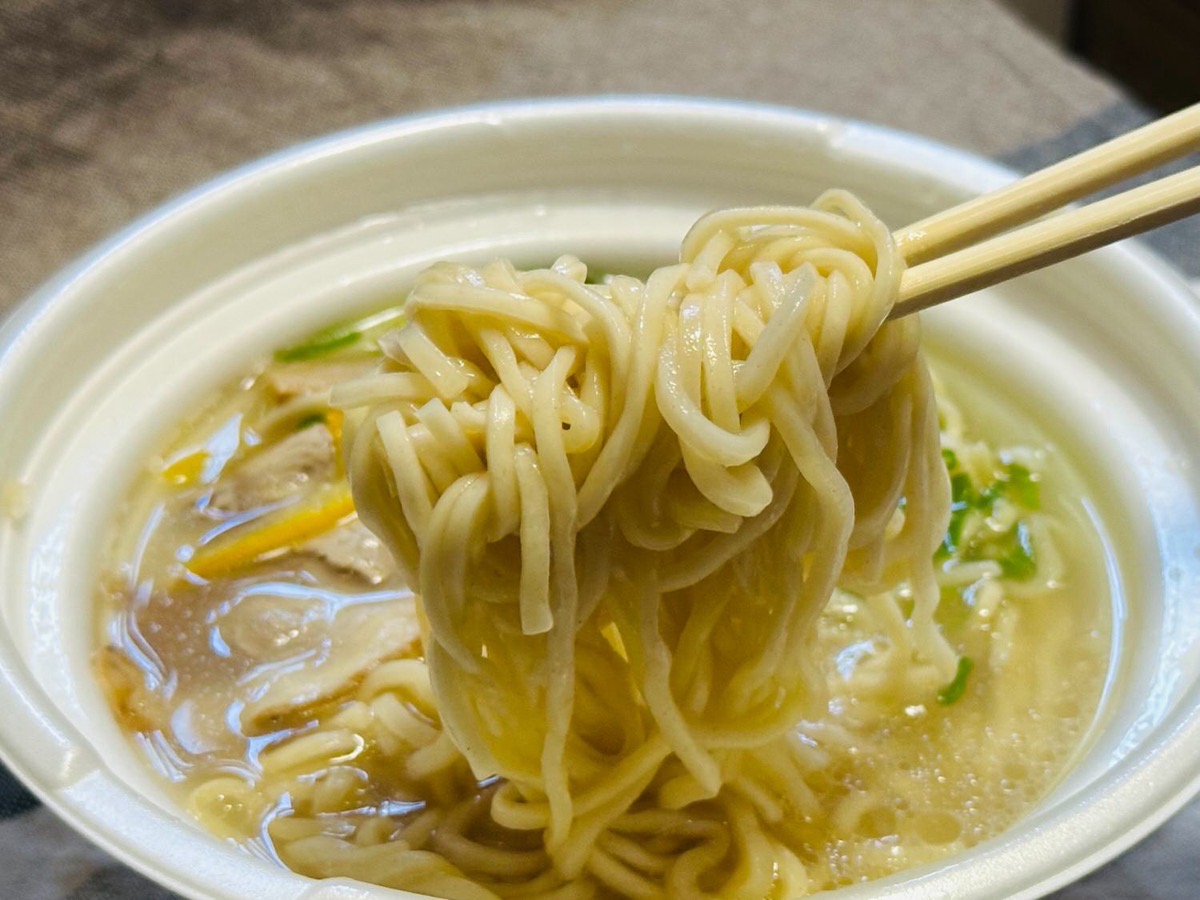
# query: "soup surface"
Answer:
x=260 y=648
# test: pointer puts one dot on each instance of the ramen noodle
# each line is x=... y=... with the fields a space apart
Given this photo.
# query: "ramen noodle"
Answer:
x=714 y=595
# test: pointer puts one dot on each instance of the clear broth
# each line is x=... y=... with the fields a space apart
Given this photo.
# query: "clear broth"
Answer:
x=217 y=678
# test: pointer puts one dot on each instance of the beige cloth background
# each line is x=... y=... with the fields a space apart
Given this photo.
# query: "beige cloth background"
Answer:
x=109 y=106
x=106 y=108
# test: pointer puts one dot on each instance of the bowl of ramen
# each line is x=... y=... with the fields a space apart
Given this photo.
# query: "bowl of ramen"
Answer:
x=458 y=506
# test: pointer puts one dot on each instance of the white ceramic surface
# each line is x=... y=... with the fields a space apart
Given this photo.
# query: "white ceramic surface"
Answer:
x=1105 y=350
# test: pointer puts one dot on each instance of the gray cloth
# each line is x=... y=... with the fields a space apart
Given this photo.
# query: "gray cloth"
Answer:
x=109 y=106
x=1179 y=242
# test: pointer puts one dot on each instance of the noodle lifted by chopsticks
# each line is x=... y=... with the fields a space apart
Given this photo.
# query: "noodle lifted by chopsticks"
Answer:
x=625 y=505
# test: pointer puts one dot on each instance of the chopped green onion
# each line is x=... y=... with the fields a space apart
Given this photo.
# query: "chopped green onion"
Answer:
x=962 y=492
x=322 y=345
x=958 y=518
x=1022 y=486
x=954 y=608
x=339 y=337
x=1018 y=560
x=1014 y=549
x=1015 y=483
x=310 y=420
x=962 y=496
x=953 y=692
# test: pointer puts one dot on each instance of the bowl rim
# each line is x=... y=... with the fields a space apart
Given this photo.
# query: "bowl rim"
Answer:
x=1137 y=794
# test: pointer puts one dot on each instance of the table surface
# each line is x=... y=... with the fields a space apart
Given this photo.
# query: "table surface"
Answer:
x=106 y=109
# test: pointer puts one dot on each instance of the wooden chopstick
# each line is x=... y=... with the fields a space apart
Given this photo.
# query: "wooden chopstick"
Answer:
x=1048 y=241
x=1055 y=237
x=1047 y=189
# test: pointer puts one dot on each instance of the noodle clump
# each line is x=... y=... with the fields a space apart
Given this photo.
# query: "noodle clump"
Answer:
x=624 y=507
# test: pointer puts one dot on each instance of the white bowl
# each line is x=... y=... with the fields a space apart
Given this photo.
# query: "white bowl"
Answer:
x=94 y=366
